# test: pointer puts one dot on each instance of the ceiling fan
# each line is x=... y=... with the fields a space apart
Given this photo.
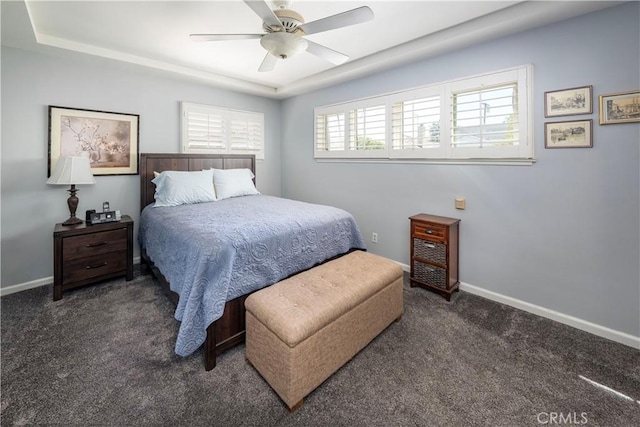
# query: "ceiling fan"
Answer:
x=285 y=28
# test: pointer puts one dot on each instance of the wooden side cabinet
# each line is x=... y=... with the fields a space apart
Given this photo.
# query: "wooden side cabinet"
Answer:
x=434 y=253
x=84 y=254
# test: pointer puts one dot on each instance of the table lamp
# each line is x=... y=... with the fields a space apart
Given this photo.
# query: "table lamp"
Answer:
x=72 y=171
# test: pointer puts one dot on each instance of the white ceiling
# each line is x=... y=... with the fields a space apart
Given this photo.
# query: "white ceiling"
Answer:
x=156 y=34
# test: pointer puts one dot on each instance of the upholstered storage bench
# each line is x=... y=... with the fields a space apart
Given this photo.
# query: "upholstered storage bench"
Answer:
x=303 y=329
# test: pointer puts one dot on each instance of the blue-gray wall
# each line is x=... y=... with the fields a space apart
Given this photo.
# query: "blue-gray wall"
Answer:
x=31 y=82
x=563 y=233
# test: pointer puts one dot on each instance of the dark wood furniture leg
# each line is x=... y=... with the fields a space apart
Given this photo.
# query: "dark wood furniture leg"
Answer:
x=226 y=332
x=210 y=348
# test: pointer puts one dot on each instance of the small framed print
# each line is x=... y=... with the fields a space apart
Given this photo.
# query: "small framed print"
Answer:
x=623 y=107
x=571 y=134
x=568 y=102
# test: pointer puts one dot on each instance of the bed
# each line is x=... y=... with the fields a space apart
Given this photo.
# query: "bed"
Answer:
x=238 y=246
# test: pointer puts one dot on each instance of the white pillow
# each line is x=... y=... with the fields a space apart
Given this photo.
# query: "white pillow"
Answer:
x=175 y=188
x=233 y=183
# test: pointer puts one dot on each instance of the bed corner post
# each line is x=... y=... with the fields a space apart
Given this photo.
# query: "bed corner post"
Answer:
x=210 y=348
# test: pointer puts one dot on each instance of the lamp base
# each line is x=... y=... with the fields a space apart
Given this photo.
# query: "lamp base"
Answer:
x=72 y=221
x=72 y=202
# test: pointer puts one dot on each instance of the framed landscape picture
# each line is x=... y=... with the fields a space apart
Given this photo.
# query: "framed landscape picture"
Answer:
x=571 y=134
x=567 y=102
x=623 y=107
x=110 y=140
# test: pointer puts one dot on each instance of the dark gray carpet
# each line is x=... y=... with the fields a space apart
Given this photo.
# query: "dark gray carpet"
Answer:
x=103 y=356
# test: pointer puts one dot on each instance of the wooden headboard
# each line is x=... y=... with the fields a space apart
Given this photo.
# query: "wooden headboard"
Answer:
x=152 y=162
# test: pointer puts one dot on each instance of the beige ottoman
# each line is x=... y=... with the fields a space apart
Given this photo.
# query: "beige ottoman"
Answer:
x=303 y=329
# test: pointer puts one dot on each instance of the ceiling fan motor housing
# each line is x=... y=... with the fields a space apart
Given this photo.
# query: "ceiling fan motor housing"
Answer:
x=290 y=21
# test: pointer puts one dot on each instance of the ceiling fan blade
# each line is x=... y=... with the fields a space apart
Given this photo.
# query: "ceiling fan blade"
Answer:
x=218 y=37
x=325 y=53
x=268 y=63
x=344 y=19
x=262 y=9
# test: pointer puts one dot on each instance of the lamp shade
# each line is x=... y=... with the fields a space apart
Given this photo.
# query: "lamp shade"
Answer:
x=72 y=170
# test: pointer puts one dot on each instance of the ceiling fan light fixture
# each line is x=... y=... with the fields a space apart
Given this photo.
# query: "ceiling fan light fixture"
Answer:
x=283 y=45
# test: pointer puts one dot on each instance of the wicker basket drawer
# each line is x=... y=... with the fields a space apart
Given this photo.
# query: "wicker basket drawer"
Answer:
x=430 y=251
x=430 y=274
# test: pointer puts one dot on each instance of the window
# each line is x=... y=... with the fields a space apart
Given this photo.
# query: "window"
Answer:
x=354 y=128
x=415 y=124
x=331 y=132
x=207 y=129
x=367 y=128
x=479 y=118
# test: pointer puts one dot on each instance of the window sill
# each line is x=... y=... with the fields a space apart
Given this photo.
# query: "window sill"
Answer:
x=488 y=162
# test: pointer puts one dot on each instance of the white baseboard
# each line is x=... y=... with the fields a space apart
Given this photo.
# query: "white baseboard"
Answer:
x=24 y=286
x=583 y=325
x=601 y=331
x=36 y=283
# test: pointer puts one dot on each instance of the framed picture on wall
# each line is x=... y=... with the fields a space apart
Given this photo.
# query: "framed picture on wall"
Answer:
x=568 y=102
x=622 y=107
x=571 y=134
x=110 y=140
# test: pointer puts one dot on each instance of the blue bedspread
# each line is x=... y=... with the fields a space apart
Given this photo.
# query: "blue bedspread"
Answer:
x=214 y=252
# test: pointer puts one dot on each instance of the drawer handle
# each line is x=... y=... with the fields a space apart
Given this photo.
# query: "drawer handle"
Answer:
x=95 y=245
x=429 y=269
x=429 y=231
x=91 y=267
x=430 y=245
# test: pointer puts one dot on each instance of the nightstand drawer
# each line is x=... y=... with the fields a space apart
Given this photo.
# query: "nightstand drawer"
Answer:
x=94 y=244
x=94 y=266
x=429 y=232
x=430 y=251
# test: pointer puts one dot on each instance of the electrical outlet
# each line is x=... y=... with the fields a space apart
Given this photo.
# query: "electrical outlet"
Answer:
x=374 y=237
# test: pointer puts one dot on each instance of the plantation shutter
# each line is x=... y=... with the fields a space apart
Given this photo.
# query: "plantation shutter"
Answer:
x=485 y=117
x=351 y=130
x=207 y=129
x=367 y=128
x=415 y=126
x=482 y=118
x=489 y=116
x=330 y=132
x=245 y=132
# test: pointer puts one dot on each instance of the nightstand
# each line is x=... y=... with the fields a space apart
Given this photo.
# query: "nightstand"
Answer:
x=84 y=254
x=434 y=253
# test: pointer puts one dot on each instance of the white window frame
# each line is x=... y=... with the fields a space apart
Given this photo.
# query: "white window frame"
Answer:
x=227 y=116
x=522 y=153
x=347 y=110
x=419 y=153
